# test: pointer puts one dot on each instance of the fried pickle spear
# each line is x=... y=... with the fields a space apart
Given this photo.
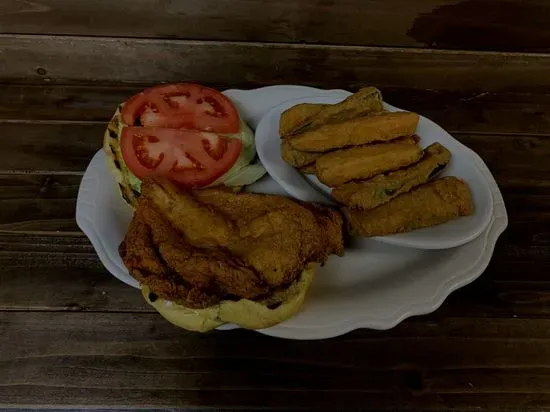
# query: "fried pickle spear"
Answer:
x=379 y=127
x=363 y=162
x=381 y=189
x=296 y=115
x=366 y=101
x=297 y=158
x=309 y=115
x=436 y=202
x=308 y=169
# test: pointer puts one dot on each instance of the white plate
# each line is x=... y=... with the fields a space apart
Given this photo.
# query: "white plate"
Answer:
x=309 y=189
x=374 y=286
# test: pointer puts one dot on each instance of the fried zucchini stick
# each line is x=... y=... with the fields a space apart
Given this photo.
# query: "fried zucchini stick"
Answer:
x=431 y=204
x=296 y=115
x=297 y=158
x=380 y=127
x=308 y=115
x=363 y=162
x=381 y=189
x=366 y=101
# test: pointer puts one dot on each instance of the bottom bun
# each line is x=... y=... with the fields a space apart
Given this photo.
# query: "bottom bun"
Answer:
x=245 y=313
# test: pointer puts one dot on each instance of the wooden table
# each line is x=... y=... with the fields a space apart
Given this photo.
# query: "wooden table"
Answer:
x=73 y=336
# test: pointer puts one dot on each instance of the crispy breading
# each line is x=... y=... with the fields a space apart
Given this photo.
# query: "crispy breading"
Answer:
x=308 y=115
x=366 y=101
x=308 y=169
x=198 y=247
x=379 y=127
x=433 y=203
x=363 y=162
x=371 y=193
x=296 y=115
x=297 y=158
x=277 y=235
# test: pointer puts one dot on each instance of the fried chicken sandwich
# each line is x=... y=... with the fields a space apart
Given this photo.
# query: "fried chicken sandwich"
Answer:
x=212 y=256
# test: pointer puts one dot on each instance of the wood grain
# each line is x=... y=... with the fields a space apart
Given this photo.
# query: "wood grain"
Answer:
x=38 y=202
x=39 y=146
x=471 y=24
x=455 y=111
x=120 y=359
x=72 y=279
x=66 y=59
x=48 y=146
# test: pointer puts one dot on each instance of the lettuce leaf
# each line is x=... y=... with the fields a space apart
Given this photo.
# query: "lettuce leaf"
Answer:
x=243 y=173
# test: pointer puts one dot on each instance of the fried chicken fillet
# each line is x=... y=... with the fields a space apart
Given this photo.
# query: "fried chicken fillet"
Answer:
x=433 y=203
x=197 y=248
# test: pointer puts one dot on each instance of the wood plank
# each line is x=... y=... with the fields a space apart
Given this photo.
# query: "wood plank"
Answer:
x=72 y=279
x=70 y=276
x=39 y=145
x=126 y=360
x=514 y=160
x=43 y=202
x=455 y=111
x=55 y=147
x=38 y=202
x=422 y=23
x=51 y=102
x=46 y=201
x=42 y=59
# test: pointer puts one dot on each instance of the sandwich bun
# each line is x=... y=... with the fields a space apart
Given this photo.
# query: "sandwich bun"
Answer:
x=245 y=313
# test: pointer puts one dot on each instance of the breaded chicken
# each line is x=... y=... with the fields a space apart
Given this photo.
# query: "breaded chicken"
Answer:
x=366 y=101
x=380 y=127
x=296 y=115
x=431 y=204
x=159 y=257
x=363 y=162
x=374 y=192
x=199 y=247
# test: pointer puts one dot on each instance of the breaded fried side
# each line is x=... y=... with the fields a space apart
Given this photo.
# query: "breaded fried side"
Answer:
x=380 y=127
x=431 y=204
x=366 y=101
x=276 y=235
x=297 y=158
x=296 y=115
x=363 y=162
x=308 y=169
x=380 y=189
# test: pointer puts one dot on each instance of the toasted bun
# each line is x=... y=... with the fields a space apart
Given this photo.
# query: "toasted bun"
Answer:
x=245 y=313
x=127 y=182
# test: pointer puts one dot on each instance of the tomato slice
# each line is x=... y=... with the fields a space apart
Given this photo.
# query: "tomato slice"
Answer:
x=189 y=158
x=182 y=105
